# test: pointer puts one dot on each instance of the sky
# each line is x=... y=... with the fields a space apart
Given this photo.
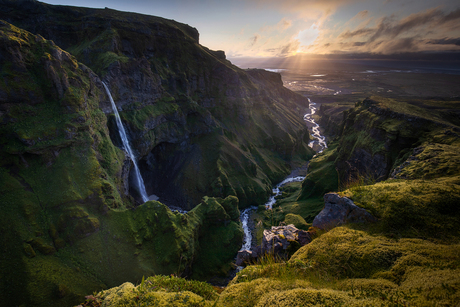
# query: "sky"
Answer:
x=281 y=28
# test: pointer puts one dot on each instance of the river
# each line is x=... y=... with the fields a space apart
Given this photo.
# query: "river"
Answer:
x=318 y=143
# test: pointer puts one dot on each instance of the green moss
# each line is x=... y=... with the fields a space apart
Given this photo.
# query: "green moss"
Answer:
x=149 y=294
x=252 y=292
x=349 y=253
x=139 y=117
x=435 y=160
x=420 y=208
x=322 y=175
x=297 y=221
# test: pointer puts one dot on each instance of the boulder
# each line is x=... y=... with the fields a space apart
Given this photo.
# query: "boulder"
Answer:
x=243 y=257
x=340 y=210
x=278 y=239
x=303 y=237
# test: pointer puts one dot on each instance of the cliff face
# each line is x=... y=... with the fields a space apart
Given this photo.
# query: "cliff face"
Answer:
x=382 y=138
x=66 y=230
x=199 y=125
x=377 y=136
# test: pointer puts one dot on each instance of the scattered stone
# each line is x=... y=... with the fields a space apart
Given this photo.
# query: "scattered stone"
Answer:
x=279 y=239
x=340 y=210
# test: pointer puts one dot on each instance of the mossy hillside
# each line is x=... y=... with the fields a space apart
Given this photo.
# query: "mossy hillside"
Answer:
x=322 y=175
x=437 y=157
x=156 y=291
x=415 y=208
x=377 y=139
x=153 y=240
x=220 y=237
x=58 y=169
x=346 y=267
x=61 y=201
x=376 y=132
x=149 y=60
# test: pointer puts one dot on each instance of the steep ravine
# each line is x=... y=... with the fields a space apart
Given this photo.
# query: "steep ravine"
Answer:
x=70 y=221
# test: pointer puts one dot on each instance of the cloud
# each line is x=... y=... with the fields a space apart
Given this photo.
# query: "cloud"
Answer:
x=285 y=50
x=416 y=32
x=284 y=24
x=454 y=15
x=445 y=41
x=359 y=33
x=388 y=27
x=360 y=15
x=308 y=36
x=281 y=26
x=253 y=40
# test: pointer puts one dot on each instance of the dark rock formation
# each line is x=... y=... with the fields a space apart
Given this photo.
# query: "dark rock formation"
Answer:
x=281 y=241
x=199 y=125
x=338 y=211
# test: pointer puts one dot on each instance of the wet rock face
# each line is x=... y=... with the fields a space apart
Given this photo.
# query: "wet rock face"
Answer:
x=338 y=211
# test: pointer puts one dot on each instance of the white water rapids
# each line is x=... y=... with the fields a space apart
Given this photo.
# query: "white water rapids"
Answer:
x=320 y=140
x=127 y=148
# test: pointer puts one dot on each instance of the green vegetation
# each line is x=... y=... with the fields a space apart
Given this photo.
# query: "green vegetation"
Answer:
x=409 y=257
x=171 y=90
x=156 y=291
x=67 y=227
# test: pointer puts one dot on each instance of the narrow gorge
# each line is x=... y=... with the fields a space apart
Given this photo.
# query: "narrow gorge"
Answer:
x=318 y=144
x=208 y=138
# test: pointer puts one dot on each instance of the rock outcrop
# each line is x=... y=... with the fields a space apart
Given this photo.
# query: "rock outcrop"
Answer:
x=338 y=211
x=281 y=241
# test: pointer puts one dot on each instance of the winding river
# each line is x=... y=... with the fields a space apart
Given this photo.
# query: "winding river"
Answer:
x=318 y=143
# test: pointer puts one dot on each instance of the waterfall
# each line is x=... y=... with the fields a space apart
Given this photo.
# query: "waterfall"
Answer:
x=244 y=217
x=127 y=147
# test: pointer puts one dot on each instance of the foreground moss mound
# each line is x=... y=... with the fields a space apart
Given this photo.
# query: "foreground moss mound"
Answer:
x=156 y=291
x=343 y=267
x=347 y=267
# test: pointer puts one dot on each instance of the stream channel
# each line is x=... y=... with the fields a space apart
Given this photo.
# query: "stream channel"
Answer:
x=318 y=144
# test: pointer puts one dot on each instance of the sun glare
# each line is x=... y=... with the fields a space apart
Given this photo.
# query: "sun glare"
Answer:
x=308 y=36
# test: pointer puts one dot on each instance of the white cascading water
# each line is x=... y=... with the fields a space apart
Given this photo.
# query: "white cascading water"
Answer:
x=244 y=217
x=127 y=147
x=320 y=140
